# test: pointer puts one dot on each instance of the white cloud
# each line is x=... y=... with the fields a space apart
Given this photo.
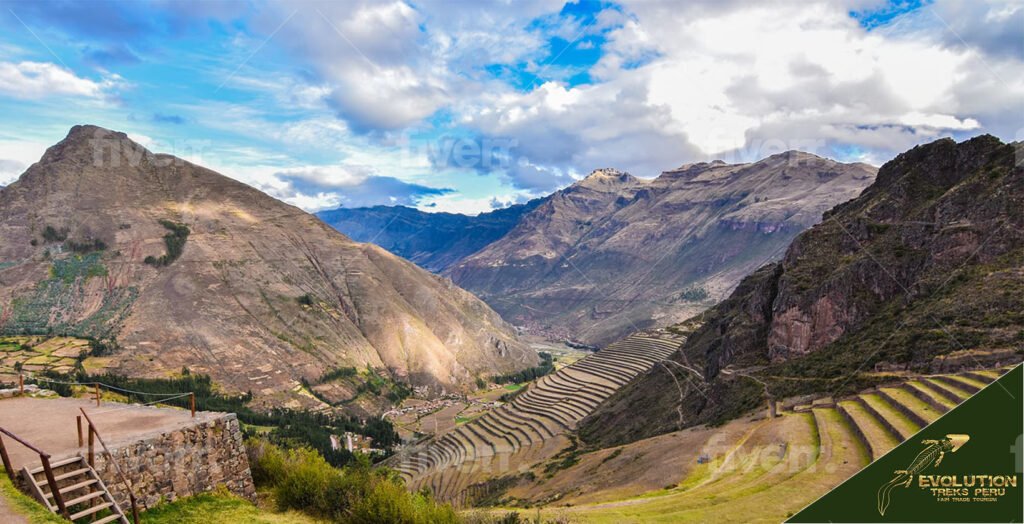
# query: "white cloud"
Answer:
x=16 y=156
x=729 y=79
x=31 y=80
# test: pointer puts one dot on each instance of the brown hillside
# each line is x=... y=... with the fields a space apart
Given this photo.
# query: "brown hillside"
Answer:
x=614 y=254
x=263 y=294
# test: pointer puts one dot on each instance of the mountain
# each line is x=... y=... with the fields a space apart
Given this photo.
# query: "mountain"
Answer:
x=177 y=266
x=923 y=272
x=613 y=254
x=434 y=241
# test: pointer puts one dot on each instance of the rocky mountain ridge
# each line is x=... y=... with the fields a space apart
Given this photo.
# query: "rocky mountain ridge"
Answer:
x=176 y=265
x=923 y=272
x=614 y=254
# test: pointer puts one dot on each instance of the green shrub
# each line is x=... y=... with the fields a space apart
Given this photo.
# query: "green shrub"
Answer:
x=85 y=246
x=52 y=235
x=547 y=365
x=388 y=501
x=173 y=241
x=301 y=479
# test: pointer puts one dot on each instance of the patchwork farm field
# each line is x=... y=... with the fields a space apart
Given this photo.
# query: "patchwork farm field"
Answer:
x=38 y=353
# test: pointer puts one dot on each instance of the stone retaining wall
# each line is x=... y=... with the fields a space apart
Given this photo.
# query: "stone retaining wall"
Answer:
x=180 y=463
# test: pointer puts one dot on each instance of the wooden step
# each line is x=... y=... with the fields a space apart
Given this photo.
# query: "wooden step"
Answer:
x=59 y=463
x=73 y=487
x=64 y=476
x=84 y=498
x=108 y=518
x=94 y=509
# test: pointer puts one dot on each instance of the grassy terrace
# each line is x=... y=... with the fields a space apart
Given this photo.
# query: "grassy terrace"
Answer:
x=745 y=490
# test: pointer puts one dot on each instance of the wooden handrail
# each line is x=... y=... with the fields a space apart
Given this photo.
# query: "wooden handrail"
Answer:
x=25 y=443
x=44 y=457
x=117 y=467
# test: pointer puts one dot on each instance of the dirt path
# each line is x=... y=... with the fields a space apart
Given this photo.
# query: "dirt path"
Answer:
x=8 y=515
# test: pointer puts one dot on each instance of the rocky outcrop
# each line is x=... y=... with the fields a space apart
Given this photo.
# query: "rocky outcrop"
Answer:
x=613 y=254
x=175 y=265
x=924 y=271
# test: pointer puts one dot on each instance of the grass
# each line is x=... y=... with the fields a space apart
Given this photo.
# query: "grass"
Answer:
x=218 y=507
x=759 y=494
x=24 y=505
x=514 y=387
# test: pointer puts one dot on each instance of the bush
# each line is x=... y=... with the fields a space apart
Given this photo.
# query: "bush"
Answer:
x=547 y=365
x=388 y=501
x=301 y=479
x=52 y=235
x=174 y=242
x=85 y=246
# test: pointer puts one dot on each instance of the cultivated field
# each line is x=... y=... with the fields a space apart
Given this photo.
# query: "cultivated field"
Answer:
x=38 y=353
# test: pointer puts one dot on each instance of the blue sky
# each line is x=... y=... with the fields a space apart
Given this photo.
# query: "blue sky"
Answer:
x=464 y=106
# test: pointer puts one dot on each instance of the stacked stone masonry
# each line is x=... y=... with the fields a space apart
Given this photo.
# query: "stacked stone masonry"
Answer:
x=180 y=463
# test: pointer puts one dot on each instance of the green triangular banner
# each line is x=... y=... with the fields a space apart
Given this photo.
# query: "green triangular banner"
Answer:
x=977 y=479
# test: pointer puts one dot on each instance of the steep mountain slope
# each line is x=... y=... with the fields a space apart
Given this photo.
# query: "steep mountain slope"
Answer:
x=613 y=254
x=434 y=241
x=181 y=266
x=923 y=272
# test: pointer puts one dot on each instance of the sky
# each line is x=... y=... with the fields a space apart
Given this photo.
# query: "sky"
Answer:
x=466 y=106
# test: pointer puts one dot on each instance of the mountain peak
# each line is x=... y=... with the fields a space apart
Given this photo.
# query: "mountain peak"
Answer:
x=86 y=142
x=607 y=178
x=101 y=192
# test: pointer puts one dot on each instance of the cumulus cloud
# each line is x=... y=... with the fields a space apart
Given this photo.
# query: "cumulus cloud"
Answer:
x=28 y=80
x=678 y=83
x=390 y=65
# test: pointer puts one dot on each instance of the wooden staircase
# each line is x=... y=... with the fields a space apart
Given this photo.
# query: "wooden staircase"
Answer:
x=83 y=492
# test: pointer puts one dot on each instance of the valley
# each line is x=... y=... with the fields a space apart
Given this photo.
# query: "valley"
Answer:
x=511 y=262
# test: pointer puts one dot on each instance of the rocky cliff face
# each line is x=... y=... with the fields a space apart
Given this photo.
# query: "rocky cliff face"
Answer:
x=613 y=254
x=433 y=241
x=180 y=266
x=924 y=271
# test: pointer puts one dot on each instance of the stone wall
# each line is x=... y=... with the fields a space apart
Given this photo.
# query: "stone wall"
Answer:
x=179 y=463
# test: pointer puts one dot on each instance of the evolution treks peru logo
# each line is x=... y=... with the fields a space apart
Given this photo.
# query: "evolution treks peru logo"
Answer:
x=933 y=453
x=945 y=488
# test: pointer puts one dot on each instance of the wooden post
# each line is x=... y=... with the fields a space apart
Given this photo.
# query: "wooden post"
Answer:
x=81 y=441
x=97 y=386
x=135 y=506
x=6 y=459
x=54 y=490
x=192 y=403
x=21 y=383
x=92 y=440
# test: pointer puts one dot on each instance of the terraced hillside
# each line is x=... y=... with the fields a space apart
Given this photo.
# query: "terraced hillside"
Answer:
x=761 y=469
x=531 y=426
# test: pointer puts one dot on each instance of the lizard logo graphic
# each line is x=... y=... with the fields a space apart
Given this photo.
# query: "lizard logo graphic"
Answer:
x=933 y=453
